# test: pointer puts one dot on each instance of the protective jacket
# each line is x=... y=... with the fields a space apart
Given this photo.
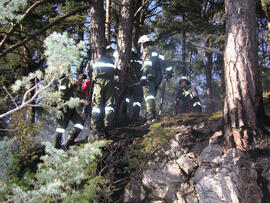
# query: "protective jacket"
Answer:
x=187 y=100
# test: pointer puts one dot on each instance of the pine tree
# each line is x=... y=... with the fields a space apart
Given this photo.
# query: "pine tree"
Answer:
x=243 y=109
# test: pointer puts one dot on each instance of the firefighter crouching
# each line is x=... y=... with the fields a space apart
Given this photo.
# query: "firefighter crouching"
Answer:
x=68 y=90
x=151 y=75
x=102 y=70
x=187 y=98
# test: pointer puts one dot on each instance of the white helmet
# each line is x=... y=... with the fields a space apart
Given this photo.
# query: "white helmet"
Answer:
x=143 y=39
x=184 y=78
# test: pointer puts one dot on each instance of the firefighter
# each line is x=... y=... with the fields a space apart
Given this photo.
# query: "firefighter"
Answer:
x=134 y=93
x=103 y=98
x=151 y=75
x=68 y=89
x=187 y=98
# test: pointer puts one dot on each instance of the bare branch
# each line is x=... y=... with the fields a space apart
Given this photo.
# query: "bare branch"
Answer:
x=208 y=49
x=30 y=90
x=10 y=96
x=46 y=27
x=141 y=7
x=26 y=103
x=6 y=129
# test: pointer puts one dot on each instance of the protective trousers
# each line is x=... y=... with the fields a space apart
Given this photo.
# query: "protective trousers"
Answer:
x=103 y=104
x=150 y=92
x=134 y=99
x=70 y=114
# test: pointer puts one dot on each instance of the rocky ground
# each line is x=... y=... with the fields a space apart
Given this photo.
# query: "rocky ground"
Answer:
x=193 y=168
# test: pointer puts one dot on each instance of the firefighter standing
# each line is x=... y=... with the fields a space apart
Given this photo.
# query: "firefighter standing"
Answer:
x=151 y=75
x=68 y=88
x=187 y=98
x=103 y=98
x=134 y=94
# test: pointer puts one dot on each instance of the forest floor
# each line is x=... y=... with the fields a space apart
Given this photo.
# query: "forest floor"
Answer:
x=201 y=129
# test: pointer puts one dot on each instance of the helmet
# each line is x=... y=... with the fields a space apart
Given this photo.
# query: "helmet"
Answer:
x=186 y=79
x=143 y=39
x=133 y=50
x=109 y=48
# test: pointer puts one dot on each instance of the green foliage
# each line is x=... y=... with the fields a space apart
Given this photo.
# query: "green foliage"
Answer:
x=24 y=130
x=8 y=9
x=74 y=102
x=69 y=176
x=63 y=54
x=155 y=141
x=9 y=167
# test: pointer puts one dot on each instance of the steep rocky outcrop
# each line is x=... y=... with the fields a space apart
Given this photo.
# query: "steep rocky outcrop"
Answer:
x=196 y=168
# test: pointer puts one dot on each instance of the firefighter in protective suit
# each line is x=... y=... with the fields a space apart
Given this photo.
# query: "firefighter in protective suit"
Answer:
x=68 y=88
x=103 y=98
x=151 y=75
x=134 y=94
x=187 y=98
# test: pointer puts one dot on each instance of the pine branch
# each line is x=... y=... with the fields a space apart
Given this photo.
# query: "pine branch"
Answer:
x=46 y=27
x=32 y=7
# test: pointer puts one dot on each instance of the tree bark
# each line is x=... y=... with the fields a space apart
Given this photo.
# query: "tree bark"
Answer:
x=266 y=8
x=243 y=106
x=124 y=44
x=184 y=54
x=108 y=21
x=208 y=74
x=97 y=24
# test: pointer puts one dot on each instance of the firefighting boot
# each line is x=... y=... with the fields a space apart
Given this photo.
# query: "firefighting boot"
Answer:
x=72 y=136
x=150 y=117
x=57 y=140
x=135 y=114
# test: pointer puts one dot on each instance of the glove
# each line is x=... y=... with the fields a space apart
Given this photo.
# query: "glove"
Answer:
x=143 y=80
x=168 y=76
x=150 y=78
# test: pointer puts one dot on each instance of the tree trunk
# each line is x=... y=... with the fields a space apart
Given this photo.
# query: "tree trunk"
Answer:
x=208 y=74
x=266 y=8
x=138 y=22
x=184 y=55
x=108 y=21
x=97 y=26
x=124 y=44
x=243 y=106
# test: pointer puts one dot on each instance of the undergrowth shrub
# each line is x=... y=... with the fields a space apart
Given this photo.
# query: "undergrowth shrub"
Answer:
x=155 y=141
x=9 y=168
x=61 y=177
